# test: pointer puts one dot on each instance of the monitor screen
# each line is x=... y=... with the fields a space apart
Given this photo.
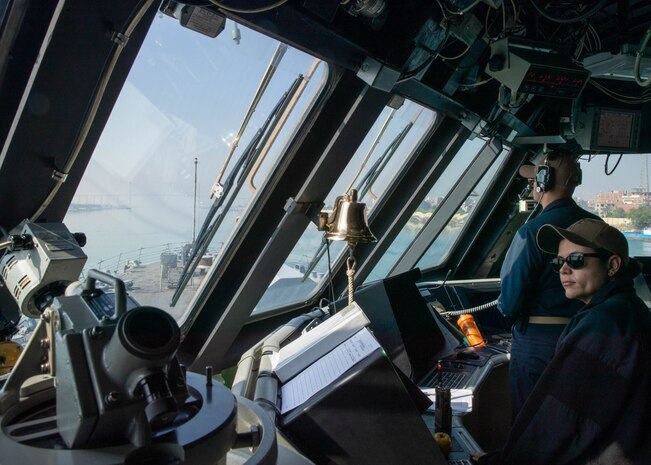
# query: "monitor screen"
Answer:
x=615 y=129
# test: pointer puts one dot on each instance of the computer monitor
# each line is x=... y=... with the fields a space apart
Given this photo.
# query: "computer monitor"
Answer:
x=610 y=129
x=403 y=322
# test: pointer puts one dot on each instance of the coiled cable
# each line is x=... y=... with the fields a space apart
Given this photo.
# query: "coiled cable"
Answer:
x=476 y=309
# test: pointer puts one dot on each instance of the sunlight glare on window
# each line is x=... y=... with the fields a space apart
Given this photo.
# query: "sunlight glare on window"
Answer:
x=149 y=193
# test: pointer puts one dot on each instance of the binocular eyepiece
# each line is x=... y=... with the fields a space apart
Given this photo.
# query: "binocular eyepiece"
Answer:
x=144 y=342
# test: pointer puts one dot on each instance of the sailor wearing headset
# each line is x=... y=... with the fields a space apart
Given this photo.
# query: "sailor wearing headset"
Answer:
x=531 y=294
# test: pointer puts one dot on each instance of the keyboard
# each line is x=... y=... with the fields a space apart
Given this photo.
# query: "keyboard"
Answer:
x=453 y=379
x=460 y=462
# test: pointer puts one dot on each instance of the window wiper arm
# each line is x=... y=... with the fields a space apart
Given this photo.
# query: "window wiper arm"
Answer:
x=222 y=204
x=371 y=149
x=218 y=188
x=389 y=154
x=366 y=183
x=282 y=119
x=209 y=227
x=275 y=120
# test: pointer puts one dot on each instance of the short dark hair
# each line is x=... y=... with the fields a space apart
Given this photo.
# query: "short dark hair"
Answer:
x=567 y=172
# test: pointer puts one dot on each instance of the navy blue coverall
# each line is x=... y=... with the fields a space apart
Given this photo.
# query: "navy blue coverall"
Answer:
x=530 y=287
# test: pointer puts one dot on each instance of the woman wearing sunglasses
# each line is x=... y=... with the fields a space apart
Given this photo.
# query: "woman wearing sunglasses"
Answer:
x=593 y=402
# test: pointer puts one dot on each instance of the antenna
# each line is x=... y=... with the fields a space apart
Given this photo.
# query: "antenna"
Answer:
x=644 y=179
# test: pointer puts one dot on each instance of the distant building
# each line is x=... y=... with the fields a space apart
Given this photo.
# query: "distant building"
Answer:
x=625 y=200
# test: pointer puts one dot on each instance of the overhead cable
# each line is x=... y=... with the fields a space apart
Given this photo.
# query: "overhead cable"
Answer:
x=120 y=39
x=575 y=19
x=638 y=60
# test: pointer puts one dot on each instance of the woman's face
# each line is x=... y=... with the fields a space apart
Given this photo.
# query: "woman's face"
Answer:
x=582 y=284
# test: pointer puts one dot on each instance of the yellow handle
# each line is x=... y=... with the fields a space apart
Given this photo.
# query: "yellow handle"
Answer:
x=444 y=442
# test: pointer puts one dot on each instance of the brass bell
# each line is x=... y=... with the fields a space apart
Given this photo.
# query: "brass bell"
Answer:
x=349 y=221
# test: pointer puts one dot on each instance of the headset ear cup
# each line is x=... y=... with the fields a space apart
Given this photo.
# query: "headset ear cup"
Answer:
x=544 y=178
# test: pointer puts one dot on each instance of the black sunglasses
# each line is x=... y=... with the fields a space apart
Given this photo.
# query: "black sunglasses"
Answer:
x=574 y=260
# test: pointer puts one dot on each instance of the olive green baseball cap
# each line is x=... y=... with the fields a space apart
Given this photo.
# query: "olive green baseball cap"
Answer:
x=587 y=232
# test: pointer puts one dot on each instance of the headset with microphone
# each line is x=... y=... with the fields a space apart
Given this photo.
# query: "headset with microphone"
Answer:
x=545 y=176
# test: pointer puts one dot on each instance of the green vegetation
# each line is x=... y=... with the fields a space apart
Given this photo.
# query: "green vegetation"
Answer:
x=614 y=212
x=640 y=217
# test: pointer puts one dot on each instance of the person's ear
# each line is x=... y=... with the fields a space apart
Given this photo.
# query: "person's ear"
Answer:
x=614 y=263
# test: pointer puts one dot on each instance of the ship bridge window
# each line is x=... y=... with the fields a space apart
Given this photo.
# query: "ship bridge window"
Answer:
x=394 y=136
x=618 y=191
x=435 y=198
x=439 y=250
x=177 y=127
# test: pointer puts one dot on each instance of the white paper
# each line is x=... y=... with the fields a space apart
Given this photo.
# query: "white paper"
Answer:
x=311 y=346
x=327 y=369
x=460 y=399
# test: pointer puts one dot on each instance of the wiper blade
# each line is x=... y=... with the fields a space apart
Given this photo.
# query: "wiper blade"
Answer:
x=287 y=110
x=218 y=189
x=371 y=149
x=377 y=168
x=366 y=183
x=222 y=204
x=387 y=156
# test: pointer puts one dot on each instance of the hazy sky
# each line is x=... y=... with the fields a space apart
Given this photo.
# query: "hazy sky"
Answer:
x=631 y=172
